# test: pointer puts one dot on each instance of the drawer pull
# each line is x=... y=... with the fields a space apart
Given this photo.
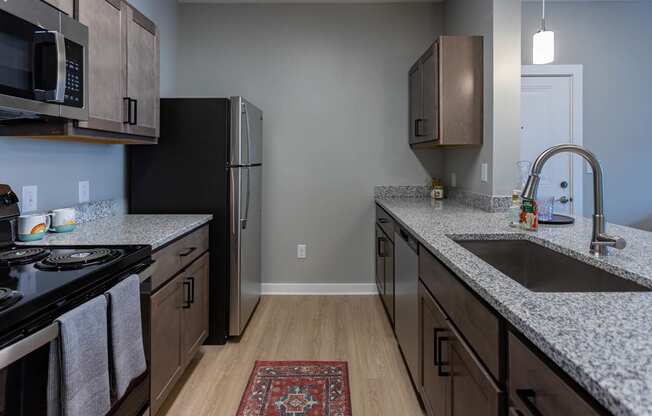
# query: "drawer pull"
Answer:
x=383 y=220
x=187 y=252
x=192 y=289
x=526 y=396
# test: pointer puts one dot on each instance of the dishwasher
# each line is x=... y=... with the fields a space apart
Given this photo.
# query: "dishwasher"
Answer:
x=406 y=298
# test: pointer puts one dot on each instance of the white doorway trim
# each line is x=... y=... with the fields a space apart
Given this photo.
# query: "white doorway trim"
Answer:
x=575 y=73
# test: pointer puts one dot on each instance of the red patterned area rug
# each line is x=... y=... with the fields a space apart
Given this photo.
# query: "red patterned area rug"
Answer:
x=297 y=388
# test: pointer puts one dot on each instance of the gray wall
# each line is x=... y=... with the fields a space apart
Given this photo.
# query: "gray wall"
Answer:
x=332 y=82
x=612 y=41
x=499 y=21
x=57 y=167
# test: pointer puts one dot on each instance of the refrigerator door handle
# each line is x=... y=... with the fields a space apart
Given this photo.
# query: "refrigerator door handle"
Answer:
x=234 y=214
x=246 y=218
x=248 y=132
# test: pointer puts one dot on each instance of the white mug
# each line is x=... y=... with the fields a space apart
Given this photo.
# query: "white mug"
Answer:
x=32 y=227
x=63 y=220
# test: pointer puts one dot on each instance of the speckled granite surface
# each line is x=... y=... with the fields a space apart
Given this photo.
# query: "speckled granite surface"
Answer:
x=602 y=340
x=154 y=230
x=402 y=191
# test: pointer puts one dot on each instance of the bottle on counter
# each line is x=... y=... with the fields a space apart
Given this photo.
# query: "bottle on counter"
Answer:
x=515 y=209
x=529 y=218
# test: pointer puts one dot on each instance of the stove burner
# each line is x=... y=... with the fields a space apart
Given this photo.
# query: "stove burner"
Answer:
x=78 y=259
x=22 y=256
x=8 y=297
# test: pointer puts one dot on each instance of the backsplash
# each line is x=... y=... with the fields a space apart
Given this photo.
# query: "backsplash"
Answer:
x=489 y=203
x=95 y=210
x=402 y=191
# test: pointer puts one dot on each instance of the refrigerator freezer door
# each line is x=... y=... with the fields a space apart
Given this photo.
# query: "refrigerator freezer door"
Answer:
x=245 y=282
x=246 y=133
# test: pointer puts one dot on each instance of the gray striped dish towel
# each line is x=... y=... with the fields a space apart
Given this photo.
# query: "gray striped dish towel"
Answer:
x=82 y=355
x=126 y=336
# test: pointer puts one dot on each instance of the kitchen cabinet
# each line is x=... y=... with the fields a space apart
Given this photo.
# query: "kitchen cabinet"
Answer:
x=534 y=388
x=446 y=93
x=195 y=309
x=165 y=346
x=179 y=312
x=385 y=261
x=66 y=6
x=434 y=384
x=123 y=70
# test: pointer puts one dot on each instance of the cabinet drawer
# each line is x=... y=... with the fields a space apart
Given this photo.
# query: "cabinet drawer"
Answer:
x=479 y=326
x=385 y=221
x=534 y=388
x=179 y=254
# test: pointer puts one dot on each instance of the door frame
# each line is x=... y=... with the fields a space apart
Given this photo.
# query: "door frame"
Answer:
x=575 y=73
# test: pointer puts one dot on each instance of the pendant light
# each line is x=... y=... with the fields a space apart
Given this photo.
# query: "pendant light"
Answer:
x=543 y=42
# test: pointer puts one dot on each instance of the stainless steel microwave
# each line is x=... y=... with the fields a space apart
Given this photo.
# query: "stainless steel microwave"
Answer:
x=43 y=62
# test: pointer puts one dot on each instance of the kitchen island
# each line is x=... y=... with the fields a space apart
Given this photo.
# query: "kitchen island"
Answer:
x=602 y=341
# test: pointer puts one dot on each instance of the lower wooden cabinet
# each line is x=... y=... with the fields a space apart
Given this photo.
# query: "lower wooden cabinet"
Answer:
x=178 y=327
x=165 y=341
x=195 y=310
x=535 y=389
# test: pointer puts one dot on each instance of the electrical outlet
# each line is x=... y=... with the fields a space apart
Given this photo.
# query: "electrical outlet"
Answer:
x=453 y=179
x=485 y=172
x=84 y=191
x=301 y=251
x=29 y=201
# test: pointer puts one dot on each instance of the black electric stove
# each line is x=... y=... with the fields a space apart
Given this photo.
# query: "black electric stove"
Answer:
x=38 y=279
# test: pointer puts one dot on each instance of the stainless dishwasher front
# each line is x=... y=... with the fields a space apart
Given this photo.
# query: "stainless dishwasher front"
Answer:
x=406 y=298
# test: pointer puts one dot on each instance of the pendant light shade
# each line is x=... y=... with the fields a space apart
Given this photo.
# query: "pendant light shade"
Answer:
x=543 y=42
x=543 y=47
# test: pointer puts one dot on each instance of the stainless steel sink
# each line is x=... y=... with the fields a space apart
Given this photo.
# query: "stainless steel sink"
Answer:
x=541 y=269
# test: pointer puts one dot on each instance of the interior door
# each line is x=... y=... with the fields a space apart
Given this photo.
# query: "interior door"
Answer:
x=142 y=74
x=546 y=121
x=107 y=26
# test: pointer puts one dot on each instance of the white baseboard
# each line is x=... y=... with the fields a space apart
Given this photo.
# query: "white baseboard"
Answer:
x=319 y=289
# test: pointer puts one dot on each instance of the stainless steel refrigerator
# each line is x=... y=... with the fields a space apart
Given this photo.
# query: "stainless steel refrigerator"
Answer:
x=209 y=160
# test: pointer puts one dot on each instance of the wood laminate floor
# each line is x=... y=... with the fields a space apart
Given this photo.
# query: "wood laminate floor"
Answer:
x=347 y=328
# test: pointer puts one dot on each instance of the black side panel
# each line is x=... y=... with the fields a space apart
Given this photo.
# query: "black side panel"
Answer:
x=186 y=174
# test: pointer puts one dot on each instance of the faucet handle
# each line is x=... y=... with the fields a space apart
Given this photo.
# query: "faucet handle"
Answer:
x=611 y=241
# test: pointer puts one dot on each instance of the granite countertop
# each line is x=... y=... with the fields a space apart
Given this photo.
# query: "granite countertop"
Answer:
x=602 y=340
x=155 y=230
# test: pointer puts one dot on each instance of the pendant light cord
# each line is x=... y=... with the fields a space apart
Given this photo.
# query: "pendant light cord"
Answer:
x=543 y=16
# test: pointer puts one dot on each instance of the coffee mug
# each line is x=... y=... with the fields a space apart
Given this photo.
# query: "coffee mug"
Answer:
x=32 y=227
x=63 y=220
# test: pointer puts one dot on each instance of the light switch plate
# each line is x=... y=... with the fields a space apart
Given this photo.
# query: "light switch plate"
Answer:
x=453 y=179
x=301 y=251
x=84 y=191
x=29 y=202
x=485 y=172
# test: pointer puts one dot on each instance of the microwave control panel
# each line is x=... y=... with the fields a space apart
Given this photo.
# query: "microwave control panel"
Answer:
x=74 y=95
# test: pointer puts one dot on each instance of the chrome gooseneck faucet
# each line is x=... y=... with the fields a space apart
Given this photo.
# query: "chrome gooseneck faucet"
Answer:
x=600 y=241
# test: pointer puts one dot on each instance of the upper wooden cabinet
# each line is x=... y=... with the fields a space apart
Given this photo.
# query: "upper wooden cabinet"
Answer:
x=66 y=6
x=446 y=93
x=123 y=69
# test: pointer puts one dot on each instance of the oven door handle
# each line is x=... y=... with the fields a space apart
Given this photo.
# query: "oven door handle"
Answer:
x=25 y=346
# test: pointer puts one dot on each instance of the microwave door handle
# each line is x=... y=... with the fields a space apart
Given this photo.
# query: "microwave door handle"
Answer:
x=25 y=346
x=59 y=91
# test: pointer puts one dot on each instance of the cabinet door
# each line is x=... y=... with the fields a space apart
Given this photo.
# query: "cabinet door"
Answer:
x=434 y=383
x=389 y=279
x=380 y=261
x=106 y=21
x=66 y=6
x=430 y=94
x=142 y=74
x=472 y=390
x=195 y=311
x=416 y=104
x=166 y=355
